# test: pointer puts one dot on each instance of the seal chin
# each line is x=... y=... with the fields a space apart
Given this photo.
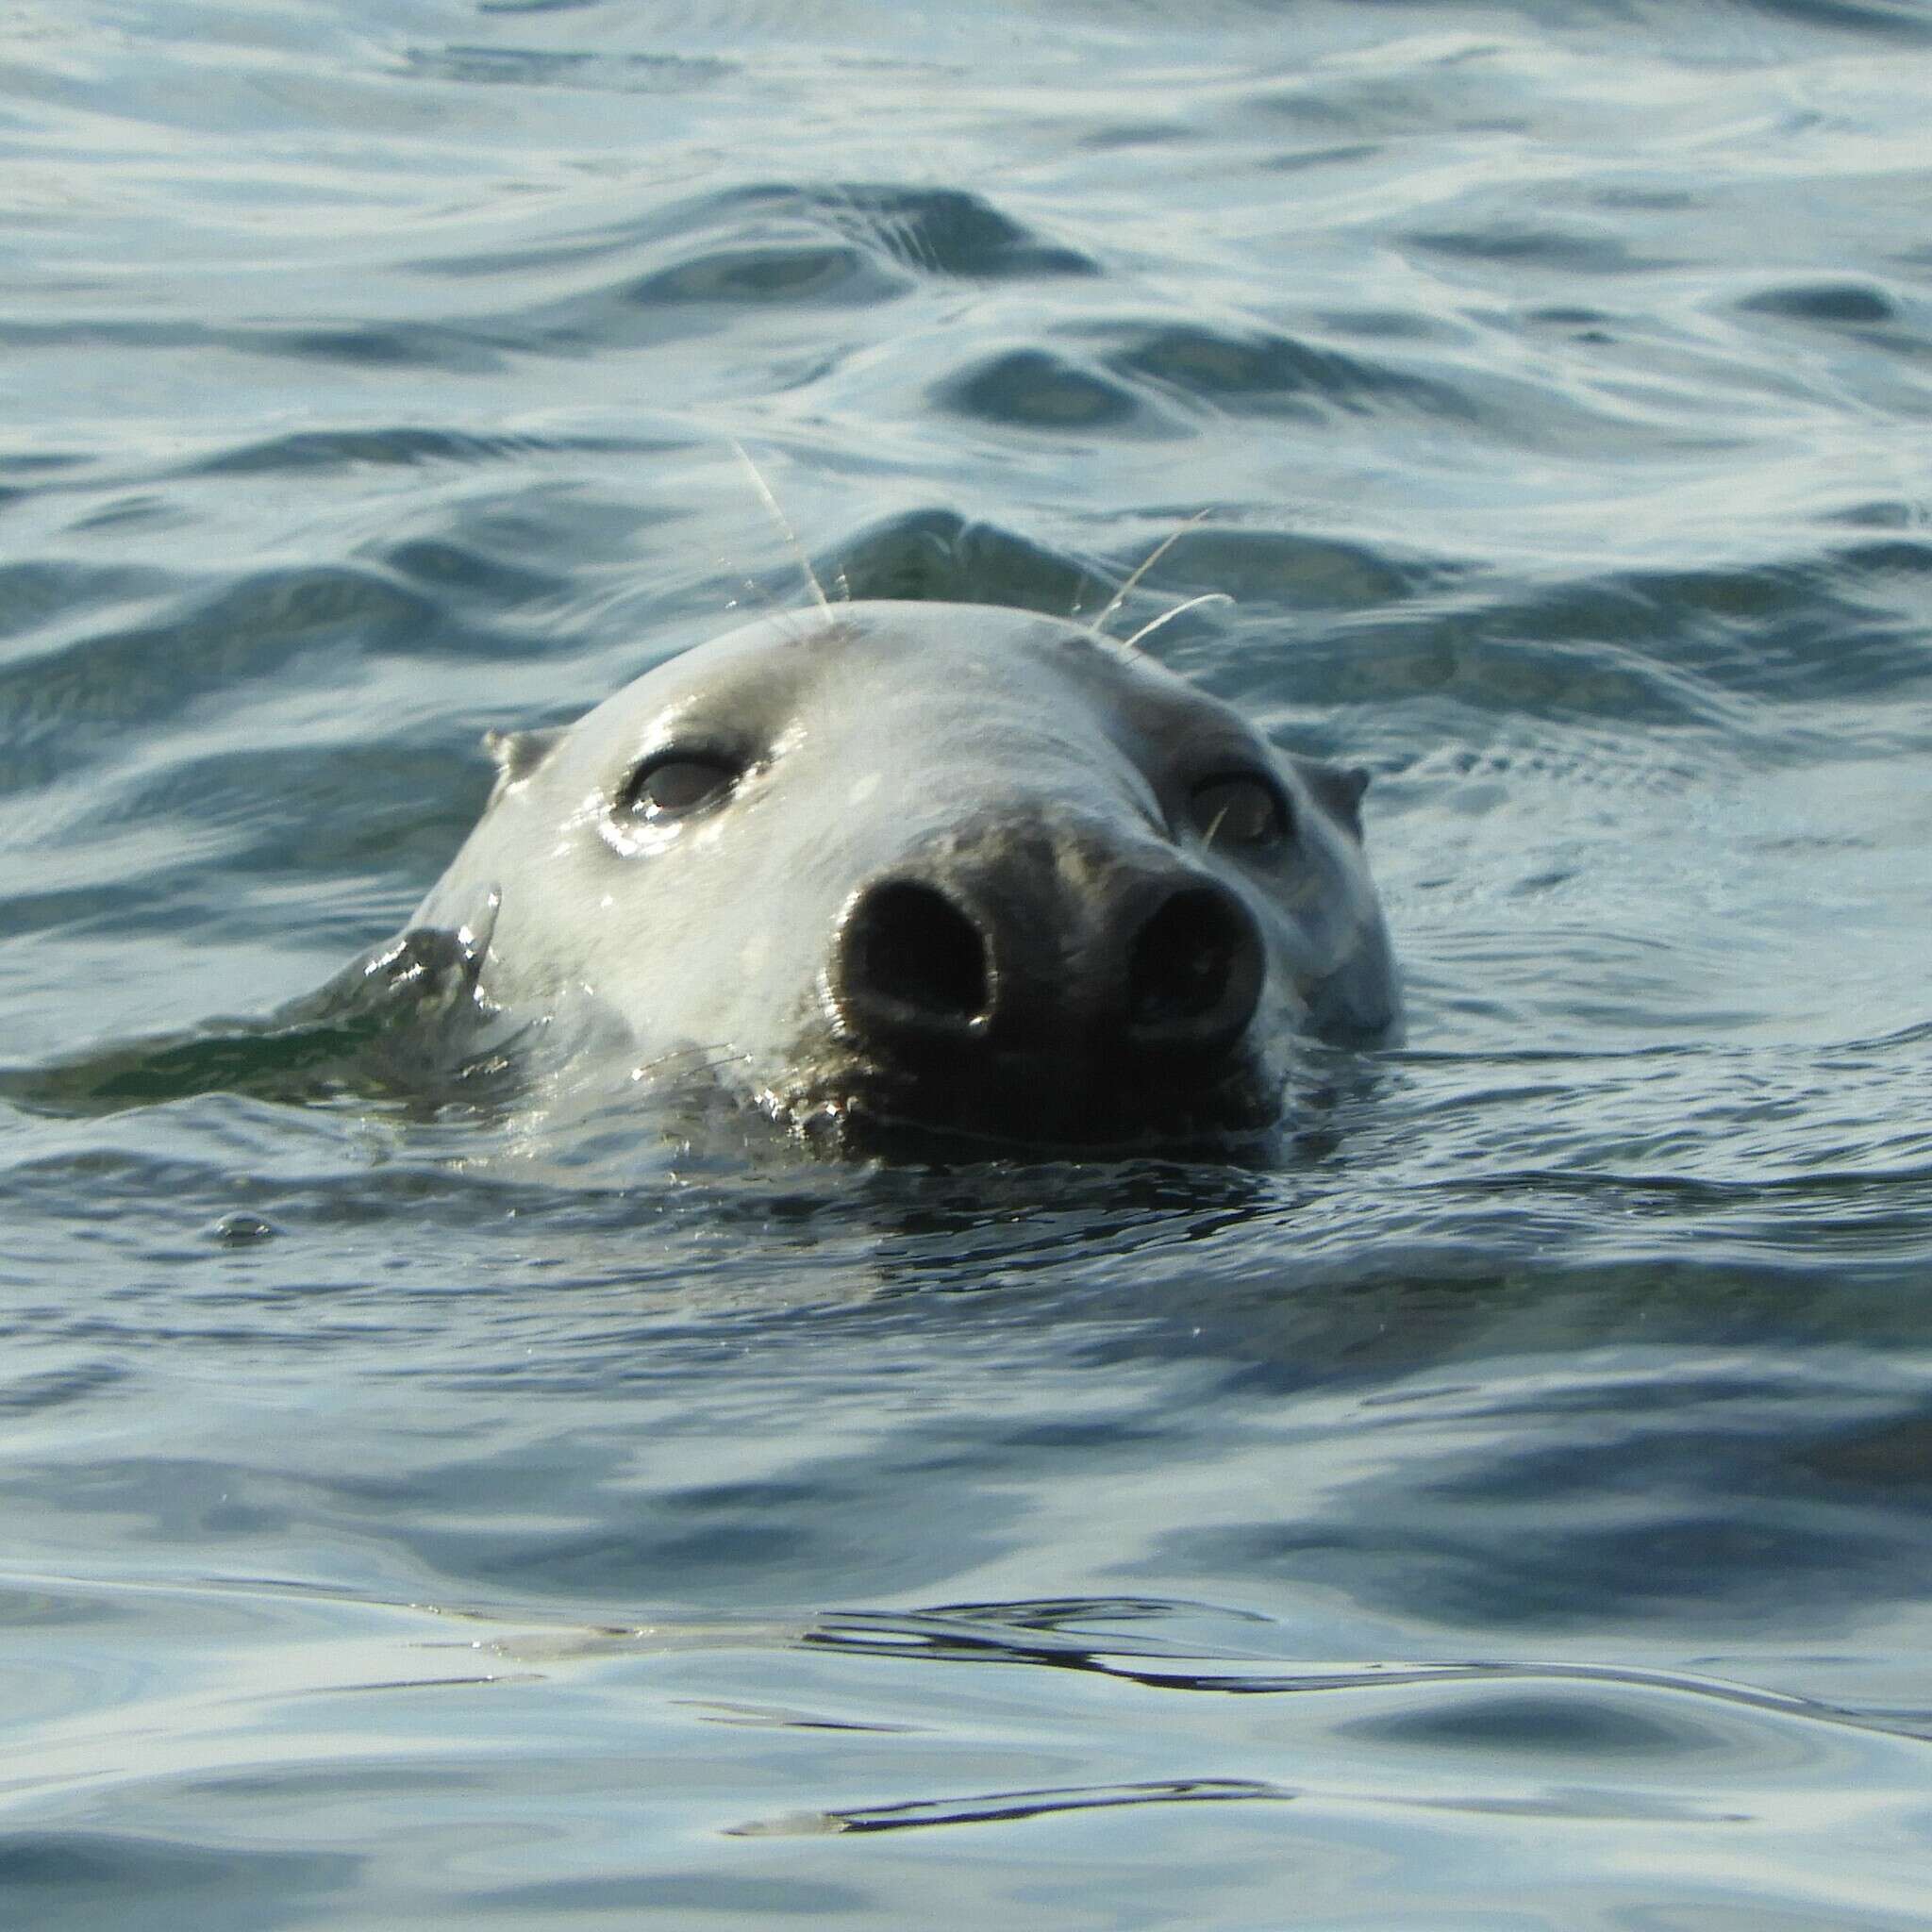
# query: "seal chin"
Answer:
x=867 y=1110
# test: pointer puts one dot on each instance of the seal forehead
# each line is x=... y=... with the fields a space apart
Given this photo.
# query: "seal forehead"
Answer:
x=989 y=651
x=899 y=676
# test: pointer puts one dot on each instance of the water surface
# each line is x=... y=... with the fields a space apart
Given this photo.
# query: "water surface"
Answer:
x=1508 y=1509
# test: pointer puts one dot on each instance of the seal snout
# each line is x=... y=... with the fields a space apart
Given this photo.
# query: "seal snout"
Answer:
x=1089 y=970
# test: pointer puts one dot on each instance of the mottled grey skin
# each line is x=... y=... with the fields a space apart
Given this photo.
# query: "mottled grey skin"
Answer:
x=971 y=869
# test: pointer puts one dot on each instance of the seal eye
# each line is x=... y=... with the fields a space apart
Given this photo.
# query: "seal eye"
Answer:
x=675 y=784
x=1239 y=808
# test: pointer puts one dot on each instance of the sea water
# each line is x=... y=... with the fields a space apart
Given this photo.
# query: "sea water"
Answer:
x=1511 y=1508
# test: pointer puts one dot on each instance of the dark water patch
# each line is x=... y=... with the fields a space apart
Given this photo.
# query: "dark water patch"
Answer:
x=1110 y=137
x=1889 y=20
x=385 y=344
x=1329 y=155
x=1212 y=1651
x=1048 y=393
x=328 y=1190
x=1812 y=630
x=1260 y=371
x=278 y=636
x=1560 y=1721
x=32 y=591
x=995 y=1225
x=800 y=272
x=936 y=231
x=133 y=511
x=1658 y=647
x=76 y=1881
x=928 y=231
x=1369 y=114
x=398 y=1023
x=262 y=627
x=673 y=1549
x=1841 y=305
x=43 y=1602
x=1879 y=514
x=1748 y=1573
x=1389 y=325
x=360 y=805
x=37 y=463
x=1883 y=1460
x=938 y=556
x=1508 y=243
x=534 y=528
x=1899 y=557
x=1261 y=568
x=706 y=287
x=462 y=573
x=1623 y=195
x=470 y=65
x=310 y=1788
x=722 y=1897
x=291 y=1065
x=31 y=1392
x=390 y=346
x=403 y=446
x=1590 y=324
x=1577 y=651
x=1577 y=1516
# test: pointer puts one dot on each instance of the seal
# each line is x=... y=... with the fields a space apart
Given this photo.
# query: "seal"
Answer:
x=914 y=866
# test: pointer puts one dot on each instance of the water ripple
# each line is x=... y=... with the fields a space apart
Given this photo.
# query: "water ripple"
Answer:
x=1503 y=1504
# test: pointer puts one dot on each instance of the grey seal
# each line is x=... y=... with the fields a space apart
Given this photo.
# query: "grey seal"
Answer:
x=923 y=866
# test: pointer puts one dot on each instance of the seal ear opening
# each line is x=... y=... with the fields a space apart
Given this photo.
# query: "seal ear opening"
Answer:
x=1339 y=787
x=518 y=754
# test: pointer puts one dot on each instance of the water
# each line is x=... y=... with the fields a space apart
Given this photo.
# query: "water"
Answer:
x=1508 y=1511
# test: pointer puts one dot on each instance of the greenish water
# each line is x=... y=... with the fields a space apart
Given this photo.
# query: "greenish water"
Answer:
x=1509 y=1510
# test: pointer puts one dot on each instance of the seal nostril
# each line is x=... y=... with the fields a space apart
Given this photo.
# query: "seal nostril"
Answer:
x=1194 y=972
x=911 y=944
x=1183 y=959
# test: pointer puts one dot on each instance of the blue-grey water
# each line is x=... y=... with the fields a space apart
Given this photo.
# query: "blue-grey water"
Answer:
x=1512 y=1507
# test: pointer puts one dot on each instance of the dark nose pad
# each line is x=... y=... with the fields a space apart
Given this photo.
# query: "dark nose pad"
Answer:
x=914 y=967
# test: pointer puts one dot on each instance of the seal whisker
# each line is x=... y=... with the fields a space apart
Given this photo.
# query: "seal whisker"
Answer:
x=799 y=549
x=784 y=615
x=1169 y=616
x=1148 y=562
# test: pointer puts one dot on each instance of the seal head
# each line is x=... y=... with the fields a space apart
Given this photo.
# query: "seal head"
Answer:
x=927 y=865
